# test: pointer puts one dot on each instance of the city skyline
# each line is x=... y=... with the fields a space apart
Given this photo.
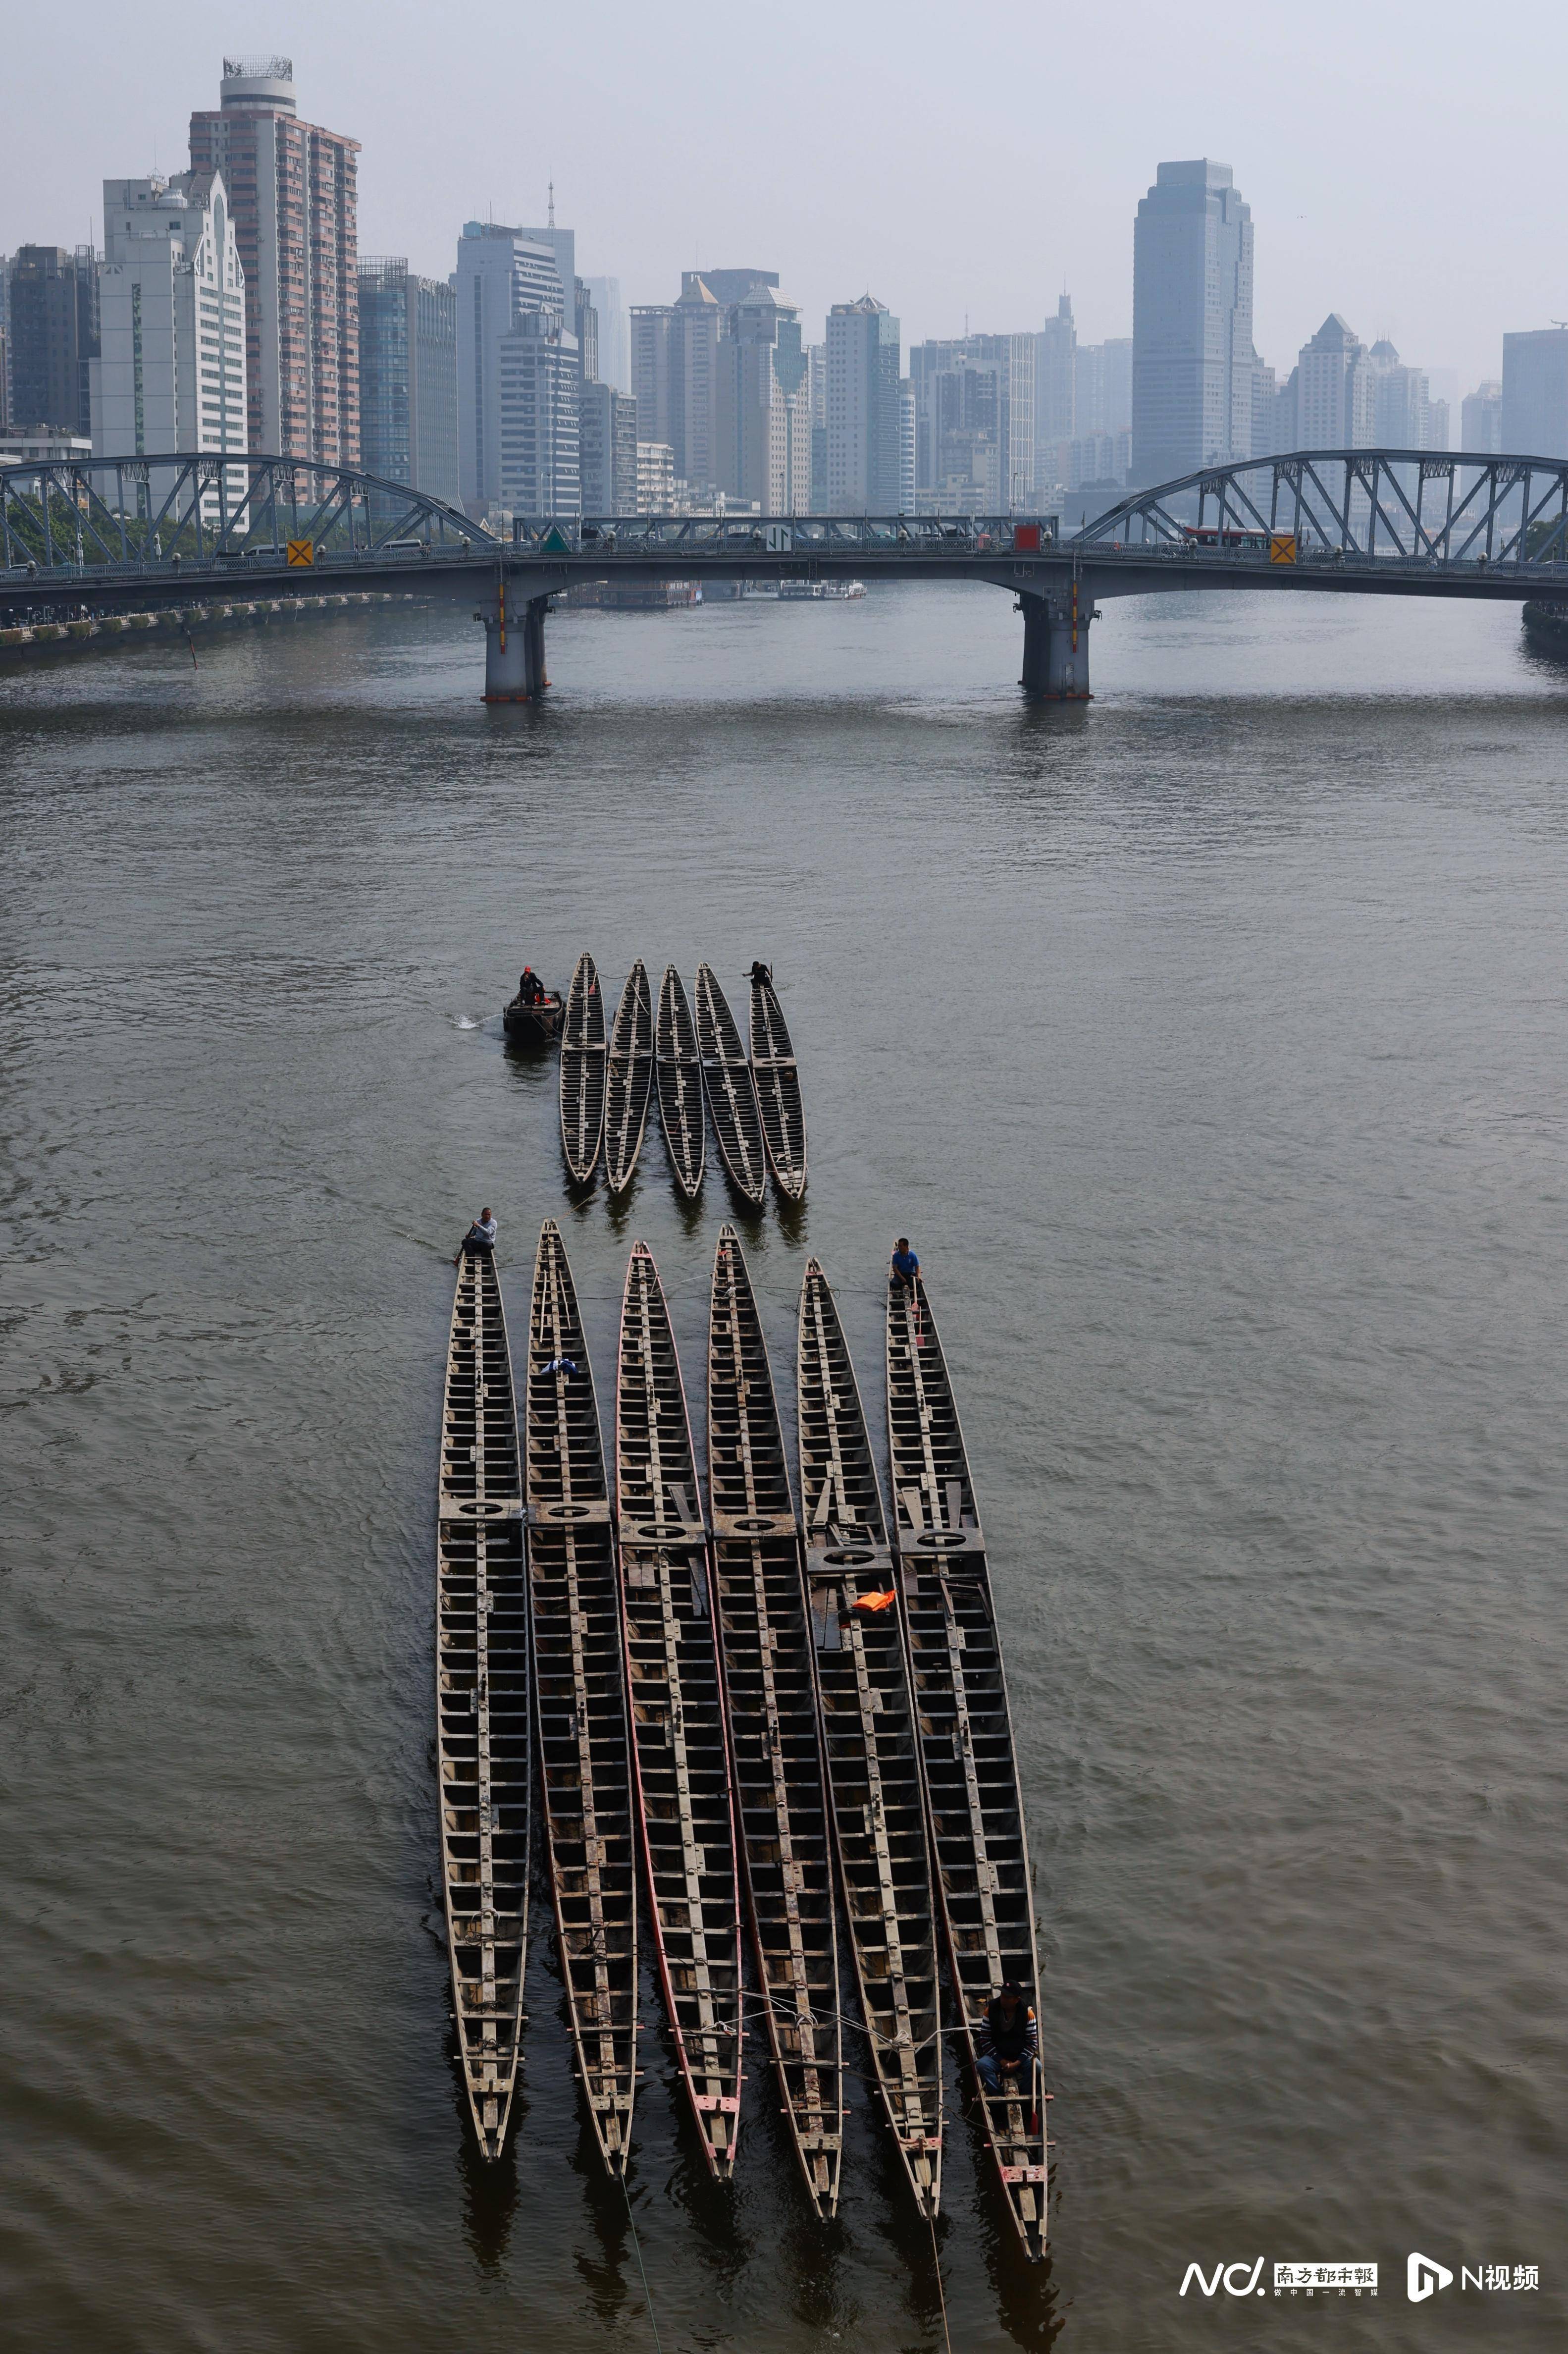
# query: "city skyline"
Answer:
x=975 y=246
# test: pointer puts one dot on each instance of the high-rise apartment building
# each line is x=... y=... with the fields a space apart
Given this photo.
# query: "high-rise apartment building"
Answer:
x=293 y=189
x=53 y=302
x=614 y=342
x=1336 y=390
x=504 y=281
x=407 y=376
x=1535 y=393
x=1401 y=406
x=655 y=478
x=817 y=384
x=1191 y=322
x=864 y=421
x=171 y=371
x=675 y=366
x=975 y=441
x=608 y=429
x=1102 y=387
x=1480 y=420
x=761 y=422
x=1265 y=394
x=5 y=343
x=1055 y=391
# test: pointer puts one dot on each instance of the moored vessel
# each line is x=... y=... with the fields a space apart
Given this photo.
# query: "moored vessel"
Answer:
x=679 y=1075
x=968 y=1765
x=579 y=1690
x=872 y=1741
x=482 y=1735
x=628 y=1079
x=765 y=1645
x=583 y=1072
x=778 y=1082
x=679 y=1736
x=731 y=1090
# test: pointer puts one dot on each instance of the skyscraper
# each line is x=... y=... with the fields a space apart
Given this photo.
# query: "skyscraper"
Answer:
x=1535 y=393
x=974 y=437
x=407 y=376
x=614 y=344
x=1336 y=390
x=54 y=335
x=608 y=438
x=762 y=431
x=517 y=378
x=1191 y=322
x=675 y=362
x=864 y=418
x=1055 y=390
x=1480 y=420
x=293 y=189
x=171 y=371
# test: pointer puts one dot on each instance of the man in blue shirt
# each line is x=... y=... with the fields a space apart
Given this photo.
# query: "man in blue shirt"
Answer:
x=906 y=1266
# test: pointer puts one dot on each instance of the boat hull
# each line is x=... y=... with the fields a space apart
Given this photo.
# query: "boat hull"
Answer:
x=680 y=1078
x=629 y=1080
x=583 y=1073
x=731 y=1091
x=778 y=1084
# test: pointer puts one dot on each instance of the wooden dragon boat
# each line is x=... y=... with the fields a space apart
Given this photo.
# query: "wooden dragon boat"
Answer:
x=778 y=1083
x=678 y=1738
x=582 y=1072
x=680 y=1075
x=483 y=1749
x=974 y=1806
x=765 y=1644
x=731 y=1091
x=628 y=1079
x=868 y=1717
x=579 y=1696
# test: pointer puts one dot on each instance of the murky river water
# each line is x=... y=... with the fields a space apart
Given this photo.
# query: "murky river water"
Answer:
x=1211 y=1045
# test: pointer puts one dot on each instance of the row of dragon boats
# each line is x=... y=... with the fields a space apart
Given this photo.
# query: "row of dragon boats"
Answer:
x=748 y=1710
x=608 y=1081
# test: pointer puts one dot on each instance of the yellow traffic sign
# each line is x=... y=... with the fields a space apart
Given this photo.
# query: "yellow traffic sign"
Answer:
x=1281 y=547
x=303 y=551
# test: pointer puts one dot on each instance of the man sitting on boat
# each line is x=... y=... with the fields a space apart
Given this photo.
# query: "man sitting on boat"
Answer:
x=760 y=971
x=531 y=990
x=1008 y=2038
x=480 y=1235
x=906 y=1266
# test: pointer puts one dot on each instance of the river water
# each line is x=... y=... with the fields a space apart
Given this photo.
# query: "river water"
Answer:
x=1209 y=1042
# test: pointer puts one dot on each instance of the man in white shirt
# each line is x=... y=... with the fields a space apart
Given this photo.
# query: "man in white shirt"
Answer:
x=480 y=1235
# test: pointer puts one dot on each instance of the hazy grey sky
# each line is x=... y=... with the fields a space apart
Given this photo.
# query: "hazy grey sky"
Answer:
x=960 y=161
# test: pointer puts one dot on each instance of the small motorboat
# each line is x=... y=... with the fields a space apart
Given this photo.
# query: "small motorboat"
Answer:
x=534 y=1016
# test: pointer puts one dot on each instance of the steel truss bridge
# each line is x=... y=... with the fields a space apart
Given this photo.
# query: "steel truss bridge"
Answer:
x=115 y=533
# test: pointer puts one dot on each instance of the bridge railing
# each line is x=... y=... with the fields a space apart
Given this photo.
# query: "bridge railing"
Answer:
x=898 y=536
x=1351 y=507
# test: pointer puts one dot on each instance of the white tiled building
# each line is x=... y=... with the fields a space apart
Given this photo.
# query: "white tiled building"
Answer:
x=172 y=294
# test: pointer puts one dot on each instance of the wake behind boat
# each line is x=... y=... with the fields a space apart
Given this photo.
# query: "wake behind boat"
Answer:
x=731 y=1090
x=583 y=1073
x=680 y=1748
x=777 y=1085
x=680 y=1075
x=871 y=1737
x=481 y=1698
x=580 y=1699
x=974 y=1806
x=630 y=1079
x=765 y=1645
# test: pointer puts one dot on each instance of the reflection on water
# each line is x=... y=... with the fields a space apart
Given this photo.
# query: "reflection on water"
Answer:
x=1208 y=1042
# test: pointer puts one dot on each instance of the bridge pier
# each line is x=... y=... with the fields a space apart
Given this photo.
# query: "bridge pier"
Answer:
x=1057 y=644
x=513 y=647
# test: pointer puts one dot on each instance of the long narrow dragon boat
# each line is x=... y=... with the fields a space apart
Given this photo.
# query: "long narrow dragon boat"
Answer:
x=680 y=1073
x=731 y=1090
x=582 y=1072
x=868 y=1716
x=778 y=1083
x=483 y=1750
x=974 y=1806
x=765 y=1643
x=629 y=1078
x=579 y=1697
x=679 y=1737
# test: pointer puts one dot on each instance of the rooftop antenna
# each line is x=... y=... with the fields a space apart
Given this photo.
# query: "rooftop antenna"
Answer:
x=552 y=210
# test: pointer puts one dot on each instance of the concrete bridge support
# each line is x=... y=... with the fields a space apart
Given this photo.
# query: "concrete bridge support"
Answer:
x=513 y=647
x=1056 y=642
